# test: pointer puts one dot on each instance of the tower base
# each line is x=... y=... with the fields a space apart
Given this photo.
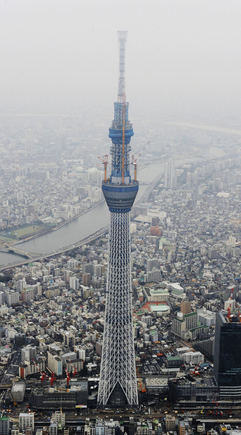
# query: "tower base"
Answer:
x=118 y=383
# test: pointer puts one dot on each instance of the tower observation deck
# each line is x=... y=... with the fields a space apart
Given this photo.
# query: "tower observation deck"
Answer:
x=118 y=384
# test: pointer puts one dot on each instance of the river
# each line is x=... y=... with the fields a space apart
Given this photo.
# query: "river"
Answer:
x=85 y=225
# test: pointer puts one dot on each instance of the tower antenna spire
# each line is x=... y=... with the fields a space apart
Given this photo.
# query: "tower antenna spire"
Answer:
x=122 y=36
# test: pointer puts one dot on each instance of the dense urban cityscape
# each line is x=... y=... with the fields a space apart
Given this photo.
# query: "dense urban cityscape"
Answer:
x=120 y=258
x=185 y=244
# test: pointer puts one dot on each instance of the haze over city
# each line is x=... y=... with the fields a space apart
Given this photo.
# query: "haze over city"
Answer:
x=183 y=57
x=120 y=229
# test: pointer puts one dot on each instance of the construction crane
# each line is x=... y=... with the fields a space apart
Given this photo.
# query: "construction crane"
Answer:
x=67 y=378
x=196 y=372
x=52 y=379
x=134 y=163
x=43 y=377
x=140 y=383
x=229 y=314
x=104 y=161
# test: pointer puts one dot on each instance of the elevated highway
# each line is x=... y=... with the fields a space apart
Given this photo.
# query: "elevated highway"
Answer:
x=31 y=257
x=13 y=249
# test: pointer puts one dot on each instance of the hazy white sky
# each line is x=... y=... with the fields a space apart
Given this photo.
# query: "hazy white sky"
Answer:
x=183 y=56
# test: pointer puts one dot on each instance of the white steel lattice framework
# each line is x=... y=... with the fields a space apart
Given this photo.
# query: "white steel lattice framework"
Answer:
x=118 y=355
x=118 y=384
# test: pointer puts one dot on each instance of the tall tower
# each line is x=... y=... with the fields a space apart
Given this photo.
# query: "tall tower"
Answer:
x=118 y=385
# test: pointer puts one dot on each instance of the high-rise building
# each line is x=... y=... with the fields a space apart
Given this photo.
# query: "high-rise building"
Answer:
x=28 y=353
x=171 y=422
x=187 y=327
x=53 y=428
x=55 y=363
x=74 y=283
x=2 y=298
x=59 y=418
x=26 y=420
x=12 y=297
x=185 y=307
x=4 y=425
x=118 y=384
x=227 y=354
x=170 y=174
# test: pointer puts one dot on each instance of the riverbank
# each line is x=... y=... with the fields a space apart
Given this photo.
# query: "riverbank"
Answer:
x=48 y=230
x=89 y=239
x=59 y=226
x=82 y=228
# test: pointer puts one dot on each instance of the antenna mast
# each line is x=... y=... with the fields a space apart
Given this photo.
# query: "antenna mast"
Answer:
x=122 y=35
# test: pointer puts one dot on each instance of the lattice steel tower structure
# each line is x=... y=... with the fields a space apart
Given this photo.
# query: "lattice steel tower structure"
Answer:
x=118 y=384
